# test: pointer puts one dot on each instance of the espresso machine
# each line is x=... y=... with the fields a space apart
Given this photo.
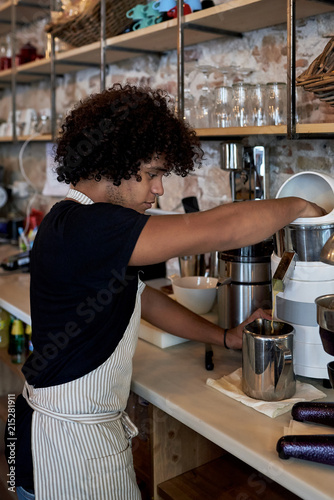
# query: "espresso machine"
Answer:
x=244 y=274
x=299 y=273
x=248 y=170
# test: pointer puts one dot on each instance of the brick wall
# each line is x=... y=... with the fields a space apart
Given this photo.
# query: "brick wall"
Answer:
x=263 y=51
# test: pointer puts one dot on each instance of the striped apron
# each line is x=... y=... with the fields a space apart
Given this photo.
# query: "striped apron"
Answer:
x=81 y=436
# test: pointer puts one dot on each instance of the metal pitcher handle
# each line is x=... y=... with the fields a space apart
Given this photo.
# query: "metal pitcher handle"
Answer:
x=287 y=360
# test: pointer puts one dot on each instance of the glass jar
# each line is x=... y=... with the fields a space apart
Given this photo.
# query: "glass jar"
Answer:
x=258 y=104
x=189 y=107
x=240 y=104
x=276 y=103
x=204 y=108
x=223 y=107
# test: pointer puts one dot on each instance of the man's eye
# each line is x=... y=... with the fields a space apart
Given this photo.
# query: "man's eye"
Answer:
x=151 y=176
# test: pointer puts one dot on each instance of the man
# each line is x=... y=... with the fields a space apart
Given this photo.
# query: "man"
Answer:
x=73 y=437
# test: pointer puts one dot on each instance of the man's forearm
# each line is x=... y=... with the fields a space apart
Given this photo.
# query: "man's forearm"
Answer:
x=166 y=314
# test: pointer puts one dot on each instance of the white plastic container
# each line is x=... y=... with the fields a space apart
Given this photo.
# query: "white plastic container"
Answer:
x=311 y=186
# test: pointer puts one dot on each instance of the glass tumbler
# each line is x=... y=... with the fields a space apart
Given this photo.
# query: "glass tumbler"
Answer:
x=276 y=103
x=258 y=104
x=223 y=107
x=189 y=108
x=204 y=108
x=240 y=104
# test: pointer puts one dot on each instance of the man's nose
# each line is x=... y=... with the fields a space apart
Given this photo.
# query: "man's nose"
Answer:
x=157 y=188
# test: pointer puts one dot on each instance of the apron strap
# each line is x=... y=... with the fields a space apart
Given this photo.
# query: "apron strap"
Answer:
x=90 y=419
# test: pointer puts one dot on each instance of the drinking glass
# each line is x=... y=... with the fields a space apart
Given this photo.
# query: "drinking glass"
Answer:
x=189 y=107
x=277 y=103
x=258 y=104
x=240 y=104
x=223 y=106
x=205 y=103
x=189 y=99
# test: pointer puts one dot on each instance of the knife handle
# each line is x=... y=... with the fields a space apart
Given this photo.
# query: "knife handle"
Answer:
x=208 y=360
x=317 y=448
x=318 y=413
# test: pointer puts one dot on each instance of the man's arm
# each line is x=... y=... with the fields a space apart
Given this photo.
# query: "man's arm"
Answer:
x=166 y=314
x=226 y=227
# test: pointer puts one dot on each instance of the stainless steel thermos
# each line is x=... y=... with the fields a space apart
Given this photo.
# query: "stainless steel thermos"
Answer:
x=244 y=282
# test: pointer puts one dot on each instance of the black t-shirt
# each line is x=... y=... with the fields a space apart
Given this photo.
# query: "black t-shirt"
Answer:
x=82 y=296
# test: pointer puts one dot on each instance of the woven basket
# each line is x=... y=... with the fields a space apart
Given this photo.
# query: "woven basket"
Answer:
x=85 y=28
x=319 y=76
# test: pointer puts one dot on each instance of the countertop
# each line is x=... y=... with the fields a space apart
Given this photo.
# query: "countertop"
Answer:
x=174 y=379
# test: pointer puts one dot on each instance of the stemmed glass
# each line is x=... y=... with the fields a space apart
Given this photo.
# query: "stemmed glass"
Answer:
x=189 y=99
x=205 y=102
x=227 y=73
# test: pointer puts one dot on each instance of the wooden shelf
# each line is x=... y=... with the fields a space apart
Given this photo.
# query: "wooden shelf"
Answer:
x=315 y=128
x=23 y=138
x=236 y=16
x=26 y=12
x=279 y=130
x=240 y=131
x=219 y=133
x=224 y=478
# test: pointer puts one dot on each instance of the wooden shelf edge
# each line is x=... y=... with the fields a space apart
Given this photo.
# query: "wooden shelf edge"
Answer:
x=315 y=128
x=219 y=133
x=241 y=131
x=301 y=128
x=23 y=138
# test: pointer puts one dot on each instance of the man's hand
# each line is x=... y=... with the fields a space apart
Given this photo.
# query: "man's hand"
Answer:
x=234 y=335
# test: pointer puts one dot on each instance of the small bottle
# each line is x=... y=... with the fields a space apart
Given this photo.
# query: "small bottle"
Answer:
x=4 y=328
x=17 y=341
x=28 y=343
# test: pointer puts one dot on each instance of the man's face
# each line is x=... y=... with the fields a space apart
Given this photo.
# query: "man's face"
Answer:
x=139 y=195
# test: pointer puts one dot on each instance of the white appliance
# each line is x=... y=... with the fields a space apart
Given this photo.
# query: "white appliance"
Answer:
x=296 y=306
x=306 y=280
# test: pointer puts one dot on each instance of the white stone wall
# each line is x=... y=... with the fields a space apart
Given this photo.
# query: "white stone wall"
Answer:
x=263 y=51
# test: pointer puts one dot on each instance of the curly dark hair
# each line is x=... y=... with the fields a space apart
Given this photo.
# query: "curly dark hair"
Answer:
x=110 y=133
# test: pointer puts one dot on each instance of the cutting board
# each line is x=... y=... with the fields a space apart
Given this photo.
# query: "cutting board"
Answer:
x=163 y=339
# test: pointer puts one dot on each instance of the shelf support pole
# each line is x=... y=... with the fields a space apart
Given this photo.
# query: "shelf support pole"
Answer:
x=13 y=66
x=53 y=89
x=180 y=59
x=291 y=76
x=103 y=46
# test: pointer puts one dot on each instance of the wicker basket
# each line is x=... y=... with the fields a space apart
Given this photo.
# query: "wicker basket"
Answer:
x=319 y=76
x=85 y=28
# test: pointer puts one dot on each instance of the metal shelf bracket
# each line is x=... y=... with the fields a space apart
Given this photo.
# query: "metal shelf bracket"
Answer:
x=208 y=29
x=291 y=75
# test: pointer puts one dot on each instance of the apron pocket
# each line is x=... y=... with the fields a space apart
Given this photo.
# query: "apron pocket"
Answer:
x=99 y=440
x=113 y=477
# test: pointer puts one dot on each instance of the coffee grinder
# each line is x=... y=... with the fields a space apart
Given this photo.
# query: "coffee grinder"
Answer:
x=300 y=275
x=316 y=447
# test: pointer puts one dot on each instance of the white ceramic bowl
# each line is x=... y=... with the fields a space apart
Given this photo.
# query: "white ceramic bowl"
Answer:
x=197 y=293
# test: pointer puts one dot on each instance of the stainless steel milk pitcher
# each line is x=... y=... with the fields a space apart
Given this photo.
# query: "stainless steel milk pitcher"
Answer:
x=267 y=360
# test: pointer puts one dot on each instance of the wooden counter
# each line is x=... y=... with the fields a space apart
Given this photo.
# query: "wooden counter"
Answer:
x=174 y=381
